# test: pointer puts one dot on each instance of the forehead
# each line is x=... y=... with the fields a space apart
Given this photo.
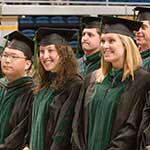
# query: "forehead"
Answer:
x=110 y=35
x=90 y=30
x=12 y=51
x=146 y=22
x=52 y=46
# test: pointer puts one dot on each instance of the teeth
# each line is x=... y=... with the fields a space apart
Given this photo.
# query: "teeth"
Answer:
x=106 y=51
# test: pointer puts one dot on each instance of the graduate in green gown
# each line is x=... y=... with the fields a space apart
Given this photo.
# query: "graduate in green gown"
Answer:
x=143 y=35
x=16 y=94
x=143 y=41
x=113 y=93
x=90 y=43
x=56 y=93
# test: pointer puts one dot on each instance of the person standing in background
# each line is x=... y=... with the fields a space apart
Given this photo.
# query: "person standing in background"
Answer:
x=143 y=41
x=16 y=92
x=90 y=43
x=56 y=92
x=142 y=36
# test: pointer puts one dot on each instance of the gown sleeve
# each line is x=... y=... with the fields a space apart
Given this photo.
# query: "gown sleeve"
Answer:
x=63 y=130
x=19 y=123
x=127 y=135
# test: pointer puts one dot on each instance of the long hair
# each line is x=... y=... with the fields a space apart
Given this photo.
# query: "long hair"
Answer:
x=132 y=61
x=67 y=68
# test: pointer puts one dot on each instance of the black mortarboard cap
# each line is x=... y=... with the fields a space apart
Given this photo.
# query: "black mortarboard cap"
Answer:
x=120 y=26
x=143 y=13
x=48 y=36
x=20 y=42
x=90 y=22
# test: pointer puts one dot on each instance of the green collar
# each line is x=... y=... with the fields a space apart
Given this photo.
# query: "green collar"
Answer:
x=92 y=57
x=117 y=74
x=145 y=54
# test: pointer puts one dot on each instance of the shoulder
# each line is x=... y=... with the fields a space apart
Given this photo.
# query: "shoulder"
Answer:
x=3 y=80
x=142 y=78
x=3 y=83
x=91 y=78
x=142 y=75
x=74 y=82
x=70 y=90
x=90 y=82
x=80 y=60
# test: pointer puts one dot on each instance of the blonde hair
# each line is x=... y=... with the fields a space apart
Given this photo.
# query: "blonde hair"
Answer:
x=132 y=61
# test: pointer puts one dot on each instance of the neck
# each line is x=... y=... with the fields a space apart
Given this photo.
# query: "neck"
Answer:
x=117 y=65
x=143 y=48
x=89 y=53
x=11 y=78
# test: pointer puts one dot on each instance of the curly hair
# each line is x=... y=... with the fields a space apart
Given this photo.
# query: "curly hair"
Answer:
x=67 y=68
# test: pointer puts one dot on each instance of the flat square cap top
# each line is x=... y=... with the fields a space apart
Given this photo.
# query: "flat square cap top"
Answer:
x=120 y=26
x=90 y=22
x=48 y=36
x=143 y=13
x=19 y=41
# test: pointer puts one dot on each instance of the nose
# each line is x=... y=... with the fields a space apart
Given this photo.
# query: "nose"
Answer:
x=105 y=45
x=7 y=59
x=139 y=31
x=85 y=36
x=45 y=55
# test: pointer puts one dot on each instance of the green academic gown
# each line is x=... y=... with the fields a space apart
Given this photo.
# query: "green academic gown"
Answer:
x=88 y=64
x=15 y=113
x=102 y=107
x=108 y=114
x=146 y=59
x=52 y=117
x=143 y=138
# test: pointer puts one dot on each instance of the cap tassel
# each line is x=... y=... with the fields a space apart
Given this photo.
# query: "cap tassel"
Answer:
x=5 y=44
x=35 y=61
x=134 y=15
x=101 y=25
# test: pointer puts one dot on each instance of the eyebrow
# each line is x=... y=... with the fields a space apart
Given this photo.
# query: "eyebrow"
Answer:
x=10 y=53
x=144 y=25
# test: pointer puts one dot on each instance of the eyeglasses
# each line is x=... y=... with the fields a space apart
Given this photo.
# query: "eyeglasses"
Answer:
x=12 y=57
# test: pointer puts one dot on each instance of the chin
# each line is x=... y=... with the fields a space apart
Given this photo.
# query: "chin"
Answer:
x=6 y=72
x=47 y=69
x=140 y=41
x=108 y=60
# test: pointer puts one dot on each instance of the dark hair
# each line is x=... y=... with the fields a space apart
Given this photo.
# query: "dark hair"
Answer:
x=67 y=69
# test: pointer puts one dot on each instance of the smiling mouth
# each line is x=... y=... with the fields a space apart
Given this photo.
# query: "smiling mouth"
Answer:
x=107 y=52
x=85 y=43
x=7 y=67
x=48 y=61
x=139 y=37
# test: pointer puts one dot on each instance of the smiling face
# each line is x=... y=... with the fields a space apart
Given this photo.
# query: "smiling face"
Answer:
x=90 y=41
x=49 y=57
x=143 y=36
x=113 y=50
x=14 y=64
